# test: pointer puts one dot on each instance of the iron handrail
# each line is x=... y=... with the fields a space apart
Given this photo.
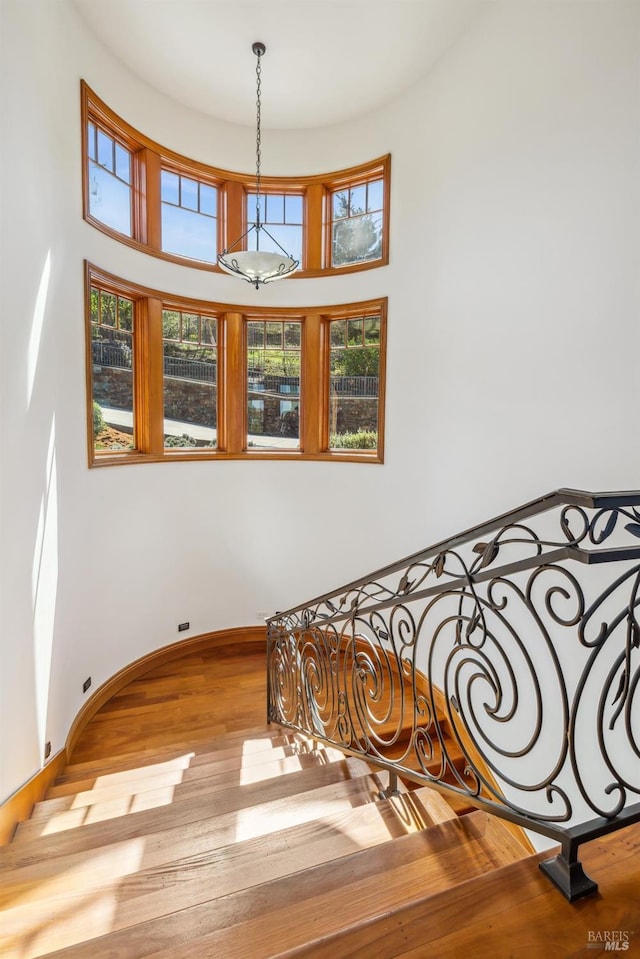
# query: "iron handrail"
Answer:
x=463 y=650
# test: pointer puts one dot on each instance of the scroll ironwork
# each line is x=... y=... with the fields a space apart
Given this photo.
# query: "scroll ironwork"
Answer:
x=501 y=665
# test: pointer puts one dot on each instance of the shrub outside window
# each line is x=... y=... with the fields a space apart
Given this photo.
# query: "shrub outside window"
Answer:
x=354 y=383
x=356 y=227
x=112 y=365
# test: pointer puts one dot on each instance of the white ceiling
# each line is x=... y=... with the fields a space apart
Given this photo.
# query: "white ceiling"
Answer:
x=326 y=61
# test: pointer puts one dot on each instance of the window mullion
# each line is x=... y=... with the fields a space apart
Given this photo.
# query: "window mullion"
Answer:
x=235 y=384
x=313 y=231
x=151 y=199
x=234 y=218
x=149 y=404
x=313 y=399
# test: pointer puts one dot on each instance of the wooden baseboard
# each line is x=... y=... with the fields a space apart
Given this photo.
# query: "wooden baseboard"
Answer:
x=18 y=806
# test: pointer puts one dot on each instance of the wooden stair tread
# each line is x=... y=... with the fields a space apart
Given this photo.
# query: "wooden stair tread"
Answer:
x=95 y=805
x=26 y=877
x=277 y=909
x=161 y=828
x=233 y=799
x=218 y=738
x=177 y=885
x=290 y=927
x=221 y=750
x=511 y=912
x=183 y=769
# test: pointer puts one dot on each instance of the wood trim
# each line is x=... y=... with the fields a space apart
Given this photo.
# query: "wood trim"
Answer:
x=151 y=200
x=235 y=375
x=311 y=405
x=151 y=375
x=313 y=260
x=149 y=157
x=234 y=217
x=19 y=805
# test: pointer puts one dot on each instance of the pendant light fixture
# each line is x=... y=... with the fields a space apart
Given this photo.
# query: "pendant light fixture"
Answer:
x=257 y=266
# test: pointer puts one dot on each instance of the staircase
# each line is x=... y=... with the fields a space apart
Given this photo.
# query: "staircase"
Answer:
x=183 y=826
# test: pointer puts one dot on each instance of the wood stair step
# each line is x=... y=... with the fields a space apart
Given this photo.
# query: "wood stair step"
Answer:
x=280 y=914
x=154 y=892
x=188 y=735
x=96 y=805
x=483 y=917
x=235 y=800
x=183 y=769
x=24 y=877
x=219 y=747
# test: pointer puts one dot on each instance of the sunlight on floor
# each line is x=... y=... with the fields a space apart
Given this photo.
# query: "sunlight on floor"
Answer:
x=109 y=809
x=91 y=797
x=254 y=769
x=179 y=762
x=59 y=911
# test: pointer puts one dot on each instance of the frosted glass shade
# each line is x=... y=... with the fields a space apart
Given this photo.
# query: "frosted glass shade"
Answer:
x=258 y=267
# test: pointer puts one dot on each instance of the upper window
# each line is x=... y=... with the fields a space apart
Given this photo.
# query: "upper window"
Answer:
x=173 y=207
x=173 y=378
x=356 y=223
x=281 y=215
x=109 y=180
x=189 y=217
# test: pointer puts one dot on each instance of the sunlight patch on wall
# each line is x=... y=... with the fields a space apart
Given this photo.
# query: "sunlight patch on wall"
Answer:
x=37 y=324
x=44 y=585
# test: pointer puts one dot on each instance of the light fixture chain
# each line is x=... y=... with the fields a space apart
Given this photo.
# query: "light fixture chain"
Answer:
x=258 y=133
x=253 y=265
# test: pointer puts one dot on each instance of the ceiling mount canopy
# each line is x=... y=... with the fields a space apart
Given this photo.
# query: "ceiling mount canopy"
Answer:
x=257 y=266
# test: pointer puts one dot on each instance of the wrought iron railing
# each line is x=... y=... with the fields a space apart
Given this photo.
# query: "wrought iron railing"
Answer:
x=502 y=665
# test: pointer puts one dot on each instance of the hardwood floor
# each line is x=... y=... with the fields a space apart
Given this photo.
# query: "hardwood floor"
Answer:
x=185 y=826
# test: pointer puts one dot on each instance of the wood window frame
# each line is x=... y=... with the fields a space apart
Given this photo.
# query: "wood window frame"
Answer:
x=231 y=426
x=149 y=158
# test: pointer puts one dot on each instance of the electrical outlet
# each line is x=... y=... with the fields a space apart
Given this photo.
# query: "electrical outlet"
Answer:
x=182 y=627
x=86 y=684
x=47 y=750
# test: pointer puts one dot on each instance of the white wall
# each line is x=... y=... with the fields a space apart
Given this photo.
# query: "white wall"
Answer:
x=512 y=356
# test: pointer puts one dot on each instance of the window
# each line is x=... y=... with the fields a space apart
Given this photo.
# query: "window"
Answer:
x=164 y=204
x=112 y=353
x=281 y=215
x=356 y=223
x=109 y=180
x=354 y=383
x=190 y=363
x=274 y=351
x=189 y=217
x=173 y=378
